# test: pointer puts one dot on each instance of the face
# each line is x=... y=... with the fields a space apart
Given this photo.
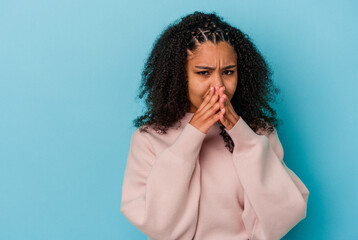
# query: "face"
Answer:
x=210 y=65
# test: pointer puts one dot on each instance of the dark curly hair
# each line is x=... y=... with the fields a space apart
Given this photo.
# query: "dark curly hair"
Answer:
x=164 y=79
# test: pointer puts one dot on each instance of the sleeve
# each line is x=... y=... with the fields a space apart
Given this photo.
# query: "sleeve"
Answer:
x=160 y=194
x=275 y=199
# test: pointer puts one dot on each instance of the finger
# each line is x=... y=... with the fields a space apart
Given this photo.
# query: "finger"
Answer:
x=212 y=101
x=226 y=104
x=231 y=114
x=212 y=111
x=215 y=117
x=215 y=97
x=227 y=124
x=206 y=98
x=225 y=99
x=222 y=91
x=228 y=115
x=222 y=102
x=207 y=92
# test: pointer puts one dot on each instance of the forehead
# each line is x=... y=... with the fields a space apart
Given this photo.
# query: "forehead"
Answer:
x=211 y=51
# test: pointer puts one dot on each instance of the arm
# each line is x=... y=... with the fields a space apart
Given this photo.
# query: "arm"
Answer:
x=275 y=199
x=160 y=194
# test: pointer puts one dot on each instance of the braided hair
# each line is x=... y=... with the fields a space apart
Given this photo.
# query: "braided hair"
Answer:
x=164 y=84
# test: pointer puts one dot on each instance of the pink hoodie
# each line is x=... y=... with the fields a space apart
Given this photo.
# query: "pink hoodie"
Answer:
x=186 y=185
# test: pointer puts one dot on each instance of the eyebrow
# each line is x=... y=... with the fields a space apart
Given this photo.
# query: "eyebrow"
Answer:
x=212 y=68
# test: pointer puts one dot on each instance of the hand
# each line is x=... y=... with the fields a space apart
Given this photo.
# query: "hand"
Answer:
x=228 y=116
x=208 y=112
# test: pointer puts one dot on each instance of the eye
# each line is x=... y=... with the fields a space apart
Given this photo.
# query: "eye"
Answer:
x=228 y=72
x=203 y=73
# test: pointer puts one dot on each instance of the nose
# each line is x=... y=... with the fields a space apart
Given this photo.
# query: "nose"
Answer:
x=217 y=81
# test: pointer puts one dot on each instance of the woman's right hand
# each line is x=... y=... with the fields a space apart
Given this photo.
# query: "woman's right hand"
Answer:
x=207 y=114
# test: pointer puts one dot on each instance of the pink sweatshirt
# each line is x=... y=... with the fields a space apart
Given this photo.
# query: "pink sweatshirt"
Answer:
x=186 y=185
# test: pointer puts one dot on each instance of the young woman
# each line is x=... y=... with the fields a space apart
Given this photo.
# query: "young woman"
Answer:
x=205 y=161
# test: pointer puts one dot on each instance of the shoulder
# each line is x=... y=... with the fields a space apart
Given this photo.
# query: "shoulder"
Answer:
x=274 y=140
x=141 y=153
x=153 y=137
x=142 y=134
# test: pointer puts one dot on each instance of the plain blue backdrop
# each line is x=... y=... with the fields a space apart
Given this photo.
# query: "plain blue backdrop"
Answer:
x=69 y=73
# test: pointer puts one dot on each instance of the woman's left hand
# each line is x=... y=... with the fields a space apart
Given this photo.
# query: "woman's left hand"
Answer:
x=228 y=116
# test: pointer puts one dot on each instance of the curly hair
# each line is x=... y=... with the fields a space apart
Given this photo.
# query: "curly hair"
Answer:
x=164 y=78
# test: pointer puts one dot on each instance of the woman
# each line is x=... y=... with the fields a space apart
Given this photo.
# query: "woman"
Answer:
x=206 y=161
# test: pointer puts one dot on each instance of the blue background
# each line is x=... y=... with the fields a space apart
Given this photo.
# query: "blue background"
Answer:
x=69 y=73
